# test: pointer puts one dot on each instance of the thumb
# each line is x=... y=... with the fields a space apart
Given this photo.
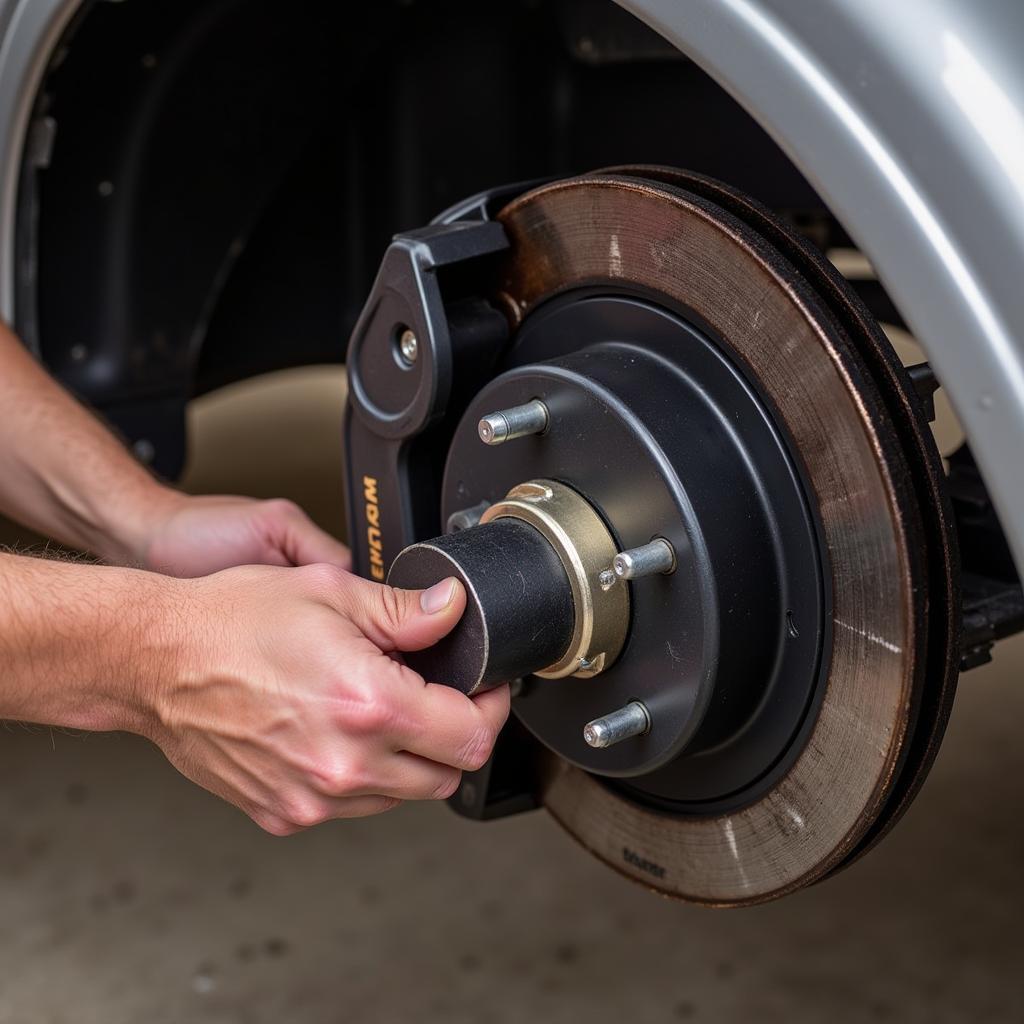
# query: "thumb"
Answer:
x=405 y=620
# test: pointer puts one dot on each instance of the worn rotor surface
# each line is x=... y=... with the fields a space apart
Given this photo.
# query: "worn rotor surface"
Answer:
x=802 y=340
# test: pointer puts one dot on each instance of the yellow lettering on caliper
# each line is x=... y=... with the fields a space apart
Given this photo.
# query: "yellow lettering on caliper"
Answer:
x=373 y=537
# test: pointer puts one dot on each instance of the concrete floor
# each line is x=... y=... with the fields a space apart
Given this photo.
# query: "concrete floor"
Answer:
x=128 y=895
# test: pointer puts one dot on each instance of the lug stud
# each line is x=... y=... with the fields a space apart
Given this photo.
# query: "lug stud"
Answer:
x=631 y=720
x=508 y=424
x=656 y=558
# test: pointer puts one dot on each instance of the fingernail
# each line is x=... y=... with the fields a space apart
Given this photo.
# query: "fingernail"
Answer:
x=438 y=597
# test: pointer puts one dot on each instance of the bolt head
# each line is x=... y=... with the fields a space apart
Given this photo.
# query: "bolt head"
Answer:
x=493 y=429
x=409 y=347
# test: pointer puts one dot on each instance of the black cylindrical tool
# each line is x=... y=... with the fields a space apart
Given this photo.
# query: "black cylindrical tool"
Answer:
x=519 y=614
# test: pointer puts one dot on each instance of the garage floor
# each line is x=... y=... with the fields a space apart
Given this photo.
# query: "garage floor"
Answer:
x=127 y=895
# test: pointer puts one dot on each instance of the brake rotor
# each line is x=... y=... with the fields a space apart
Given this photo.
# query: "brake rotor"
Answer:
x=887 y=666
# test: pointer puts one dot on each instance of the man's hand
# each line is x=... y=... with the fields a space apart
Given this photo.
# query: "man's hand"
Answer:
x=196 y=536
x=278 y=688
x=64 y=474
x=281 y=690
x=292 y=703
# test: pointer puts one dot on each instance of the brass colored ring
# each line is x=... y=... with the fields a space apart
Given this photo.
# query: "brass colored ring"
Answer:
x=585 y=548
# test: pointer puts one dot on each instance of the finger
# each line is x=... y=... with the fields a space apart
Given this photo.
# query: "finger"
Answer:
x=405 y=713
x=316 y=813
x=298 y=538
x=312 y=546
x=444 y=725
x=306 y=544
x=361 y=806
x=403 y=620
x=405 y=776
x=494 y=705
x=275 y=825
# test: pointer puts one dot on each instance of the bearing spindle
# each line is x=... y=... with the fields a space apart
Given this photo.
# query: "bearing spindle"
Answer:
x=519 y=615
x=533 y=571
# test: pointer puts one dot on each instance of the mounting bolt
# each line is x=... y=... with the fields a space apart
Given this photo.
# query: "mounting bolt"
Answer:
x=607 y=578
x=631 y=720
x=656 y=558
x=508 y=424
x=409 y=346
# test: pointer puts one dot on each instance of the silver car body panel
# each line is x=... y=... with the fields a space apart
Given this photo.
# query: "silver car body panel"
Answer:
x=906 y=115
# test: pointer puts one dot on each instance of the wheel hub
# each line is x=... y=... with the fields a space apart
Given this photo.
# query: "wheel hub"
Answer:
x=665 y=438
x=772 y=690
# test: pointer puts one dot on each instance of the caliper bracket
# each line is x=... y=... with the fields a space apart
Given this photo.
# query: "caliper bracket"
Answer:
x=404 y=404
x=404 y=399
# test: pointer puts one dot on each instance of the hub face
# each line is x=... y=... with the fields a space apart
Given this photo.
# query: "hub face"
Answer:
x=651 y=422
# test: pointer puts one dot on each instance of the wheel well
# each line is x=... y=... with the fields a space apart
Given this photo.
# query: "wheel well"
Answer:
x=221 y=178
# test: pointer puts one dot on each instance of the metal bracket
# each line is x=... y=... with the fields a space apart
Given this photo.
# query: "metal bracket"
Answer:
x=394 y=397
x=406 y=394
x=993 y=600
x=404 y=401
x=925 y=383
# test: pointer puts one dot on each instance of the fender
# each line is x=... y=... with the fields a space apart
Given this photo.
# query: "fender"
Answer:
x=909 y=120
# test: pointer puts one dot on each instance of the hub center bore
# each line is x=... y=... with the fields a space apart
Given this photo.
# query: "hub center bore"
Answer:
x=517 y=593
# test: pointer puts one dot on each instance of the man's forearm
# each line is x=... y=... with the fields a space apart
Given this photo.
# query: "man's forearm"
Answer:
x=84 y=646
x=61 y=471
x=267 y=675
